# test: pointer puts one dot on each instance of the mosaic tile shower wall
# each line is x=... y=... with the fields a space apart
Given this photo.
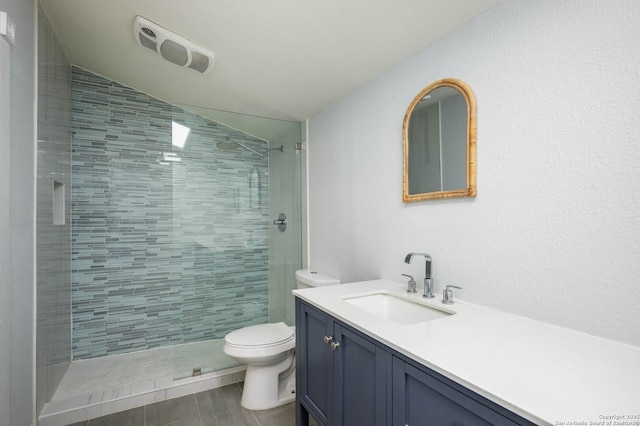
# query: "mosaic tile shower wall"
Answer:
x=169 y=244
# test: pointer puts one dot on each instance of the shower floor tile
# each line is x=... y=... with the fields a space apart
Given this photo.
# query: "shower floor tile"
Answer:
x=116 y=373
x=102 y=386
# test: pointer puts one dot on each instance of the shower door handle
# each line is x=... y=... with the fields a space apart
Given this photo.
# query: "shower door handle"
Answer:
x=281 y=222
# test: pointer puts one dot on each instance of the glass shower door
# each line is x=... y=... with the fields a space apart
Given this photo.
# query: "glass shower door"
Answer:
x=285 y=242
x=226 y=252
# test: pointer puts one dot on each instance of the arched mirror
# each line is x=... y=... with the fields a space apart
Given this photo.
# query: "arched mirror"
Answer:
x=439 y=143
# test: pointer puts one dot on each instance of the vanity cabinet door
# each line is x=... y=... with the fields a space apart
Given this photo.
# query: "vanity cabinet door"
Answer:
x=342 y=381
x=313 y=363
x=361 y=378
x=420 y=398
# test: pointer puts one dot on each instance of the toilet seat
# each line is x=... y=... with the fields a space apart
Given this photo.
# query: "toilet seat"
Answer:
x=261 y=336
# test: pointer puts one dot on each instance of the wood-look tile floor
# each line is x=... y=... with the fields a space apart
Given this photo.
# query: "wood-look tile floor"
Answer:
x=215 y=407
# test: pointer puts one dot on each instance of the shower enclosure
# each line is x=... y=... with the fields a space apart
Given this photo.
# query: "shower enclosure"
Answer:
x=173 y=234
x=155 y=237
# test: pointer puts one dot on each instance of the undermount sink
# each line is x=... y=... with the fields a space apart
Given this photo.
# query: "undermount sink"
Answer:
x=395 y=308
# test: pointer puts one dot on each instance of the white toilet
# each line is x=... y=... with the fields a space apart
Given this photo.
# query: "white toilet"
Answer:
x=268 y=350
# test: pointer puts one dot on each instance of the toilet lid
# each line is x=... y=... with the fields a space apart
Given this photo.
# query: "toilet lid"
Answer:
x=261 y=335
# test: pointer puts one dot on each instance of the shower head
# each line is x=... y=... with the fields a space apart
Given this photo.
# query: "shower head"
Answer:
x=229 y=144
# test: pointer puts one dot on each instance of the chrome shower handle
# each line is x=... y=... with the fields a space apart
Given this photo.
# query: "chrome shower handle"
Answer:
x=281 y=222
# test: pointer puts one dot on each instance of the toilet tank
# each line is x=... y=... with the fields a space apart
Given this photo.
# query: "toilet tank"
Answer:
x=306 y=278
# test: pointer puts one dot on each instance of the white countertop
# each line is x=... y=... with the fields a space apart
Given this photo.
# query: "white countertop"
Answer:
x=542 y=372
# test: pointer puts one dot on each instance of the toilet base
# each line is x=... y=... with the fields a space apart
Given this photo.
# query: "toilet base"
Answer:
x=265 y=388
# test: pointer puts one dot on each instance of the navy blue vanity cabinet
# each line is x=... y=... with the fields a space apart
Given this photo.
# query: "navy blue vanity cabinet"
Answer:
x=344 y=378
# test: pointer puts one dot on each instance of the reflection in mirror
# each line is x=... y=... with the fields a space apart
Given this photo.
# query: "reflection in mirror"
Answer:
x=439 y=143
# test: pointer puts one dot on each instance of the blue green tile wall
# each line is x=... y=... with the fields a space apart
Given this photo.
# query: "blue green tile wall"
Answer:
x=169 y=244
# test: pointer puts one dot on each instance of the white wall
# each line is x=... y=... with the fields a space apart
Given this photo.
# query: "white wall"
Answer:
x=554 y=232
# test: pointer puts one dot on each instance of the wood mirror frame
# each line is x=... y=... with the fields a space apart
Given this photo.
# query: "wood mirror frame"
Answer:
x=470 y=190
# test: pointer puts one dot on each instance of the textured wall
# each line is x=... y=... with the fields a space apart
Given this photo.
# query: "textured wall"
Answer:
x=169 y=244
x=53 y=343
x=554 y=233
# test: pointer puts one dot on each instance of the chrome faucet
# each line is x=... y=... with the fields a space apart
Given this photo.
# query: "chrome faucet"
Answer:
x=428 y=283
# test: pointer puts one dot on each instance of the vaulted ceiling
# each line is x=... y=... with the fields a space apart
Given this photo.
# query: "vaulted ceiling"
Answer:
x=281 y=59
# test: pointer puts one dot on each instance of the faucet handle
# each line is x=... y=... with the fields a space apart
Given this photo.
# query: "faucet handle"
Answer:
x=447 y=294
x=411 y=284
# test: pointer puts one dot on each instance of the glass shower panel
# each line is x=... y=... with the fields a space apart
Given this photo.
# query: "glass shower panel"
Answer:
x=285 y=254
x=221 y=231
x=172 y=237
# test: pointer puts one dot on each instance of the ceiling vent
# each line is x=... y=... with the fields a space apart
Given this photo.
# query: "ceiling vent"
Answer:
x=172 y=47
